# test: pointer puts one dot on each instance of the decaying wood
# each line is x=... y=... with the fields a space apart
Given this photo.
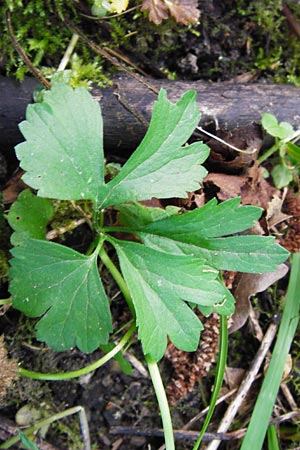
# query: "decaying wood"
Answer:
x=127 y=106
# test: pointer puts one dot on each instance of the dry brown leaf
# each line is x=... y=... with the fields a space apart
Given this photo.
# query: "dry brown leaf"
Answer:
x=228 y=186
x=291 y=241
x=183 y=11
x=247 y=285
x=258 y=192
x=157 y=10
x=274 y=210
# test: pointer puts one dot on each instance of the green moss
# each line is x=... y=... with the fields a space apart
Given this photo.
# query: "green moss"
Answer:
x=66 y=214
x=38 y=28
x=241 y=37
x=3 y=266
x=272 y=47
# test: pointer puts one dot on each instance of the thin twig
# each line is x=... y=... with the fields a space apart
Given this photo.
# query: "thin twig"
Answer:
x=193 y=435
x=295 y=26
x=245 y=386
x=23 y=55
x=125 y=103
x=289 y=398
x=205 y=410
x=288 y=416
x=233 y=147
x=125 y=59
x=178 y=434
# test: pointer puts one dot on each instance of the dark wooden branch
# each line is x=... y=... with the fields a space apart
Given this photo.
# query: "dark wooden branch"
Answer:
x=127 y=107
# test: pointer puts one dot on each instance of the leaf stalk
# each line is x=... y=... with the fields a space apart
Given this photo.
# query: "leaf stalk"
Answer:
x=85 y=370
x=109 y=264
x=162 y=401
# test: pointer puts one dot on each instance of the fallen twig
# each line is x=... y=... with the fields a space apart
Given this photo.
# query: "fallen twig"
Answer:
x=295 y=26
x=23 y=55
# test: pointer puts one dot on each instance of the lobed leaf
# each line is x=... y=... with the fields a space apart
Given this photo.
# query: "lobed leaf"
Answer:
x=63 y=151
x=211 y=220
x=64 y=287
x=160 y=285
x=199 y=233
x=160 y=166
x=28 y=217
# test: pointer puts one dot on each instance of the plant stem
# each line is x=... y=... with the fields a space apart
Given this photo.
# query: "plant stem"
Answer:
x=118 y=278
x=221 y=364
x=267 y=154
x=5 y=301
x=78 y=373
x=163 y=403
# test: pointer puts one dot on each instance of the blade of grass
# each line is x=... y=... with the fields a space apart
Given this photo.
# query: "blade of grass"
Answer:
x=273 y=443
x=266 y=399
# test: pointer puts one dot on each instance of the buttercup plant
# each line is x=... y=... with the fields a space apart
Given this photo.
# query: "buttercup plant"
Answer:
x=169 y=270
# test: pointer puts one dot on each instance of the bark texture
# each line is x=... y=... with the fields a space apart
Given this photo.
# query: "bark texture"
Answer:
x=127 y=106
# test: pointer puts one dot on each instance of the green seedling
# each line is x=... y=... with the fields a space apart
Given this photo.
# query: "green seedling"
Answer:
x=287 y=161
x=172 y=266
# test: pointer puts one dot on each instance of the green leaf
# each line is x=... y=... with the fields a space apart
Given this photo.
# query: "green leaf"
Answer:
x=63 y=152
x=161 y=167
x=137 y=216
x=64 y=287
x=160 y=285
x=253 y=254
x=29 y=216
x=281 y=175
x=271 y=125
x=211 y=220
x=200 y=233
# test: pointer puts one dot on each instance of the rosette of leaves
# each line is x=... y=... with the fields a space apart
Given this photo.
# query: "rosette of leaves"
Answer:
x=173 y=265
